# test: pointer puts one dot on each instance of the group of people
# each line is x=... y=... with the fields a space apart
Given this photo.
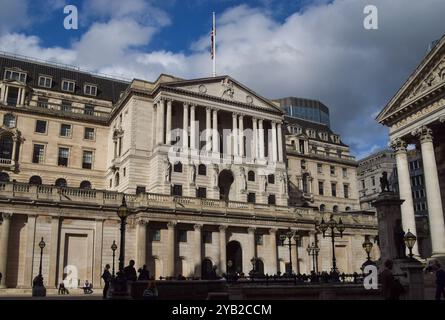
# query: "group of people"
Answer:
x=129 y=273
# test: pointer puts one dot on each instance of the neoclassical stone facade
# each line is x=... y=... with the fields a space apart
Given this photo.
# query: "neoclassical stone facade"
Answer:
x=416 y=115
x=201 y=163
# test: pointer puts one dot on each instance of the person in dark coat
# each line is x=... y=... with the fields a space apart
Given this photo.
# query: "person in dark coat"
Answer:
x=144 y=274
x=440 y=280
x=106 y=276
x=391 y=287
x=130 y=272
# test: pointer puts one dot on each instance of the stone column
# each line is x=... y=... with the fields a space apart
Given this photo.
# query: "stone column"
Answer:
x=53 y=256
x=408 y=219
x=171 y=249
x=4 y=241
x=98 y=247
x=280 y=143
x=252 y=245
x=241 y=135
x=255 y=139
x=192 y=128
x=222 y=249
x=198 y=249
x=168 y=134
x=154 y=131
x=435 y=213
x=261 y=138
x=161 y=110
x=273 y=250
x=208 y=129
x=274 y=142
x=294 y=250
x=215 y=138
x=6 y=97
x=29 y=256
x=235 y=134
x=141 y=242
x=185 y=124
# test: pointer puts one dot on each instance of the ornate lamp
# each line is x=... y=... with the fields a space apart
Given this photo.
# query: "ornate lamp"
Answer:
x=323 y=226
x=410 y=239
x=113 y=248
x=367 y=245
x=42 y=245
x=340 y=227
x=122 y=211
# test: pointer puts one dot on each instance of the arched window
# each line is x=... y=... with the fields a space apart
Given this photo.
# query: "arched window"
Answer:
x=251 y=176
x=335 y=209
x=35 y=180
x=177 y=167
x=9 y=120
x=4 y=177
x=348 y=208
x=61 y=183
x=6 y=147
x=85 y=185
x=116 y=179
x=202 y=170
x=322 y=208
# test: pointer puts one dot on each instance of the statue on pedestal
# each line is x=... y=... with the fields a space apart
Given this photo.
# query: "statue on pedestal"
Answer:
x=192 y=174
x=384 y=183
x=398 y=240
x=168 y=171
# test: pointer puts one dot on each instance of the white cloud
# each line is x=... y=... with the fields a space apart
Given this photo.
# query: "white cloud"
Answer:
x=9 y=13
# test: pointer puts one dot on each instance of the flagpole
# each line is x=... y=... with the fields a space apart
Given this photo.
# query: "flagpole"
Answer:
x=214 y=45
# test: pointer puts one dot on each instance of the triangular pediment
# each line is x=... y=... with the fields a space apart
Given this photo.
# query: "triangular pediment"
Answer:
x=226 y=89
x=427 y=78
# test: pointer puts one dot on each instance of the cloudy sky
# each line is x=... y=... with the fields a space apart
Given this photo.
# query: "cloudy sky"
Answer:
x=314 y=49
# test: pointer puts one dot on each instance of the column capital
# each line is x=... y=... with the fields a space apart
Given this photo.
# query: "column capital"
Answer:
x=273 y=231
x=171 y=224
x=222 y=227
x=197 y=227
x=251 y=230
x=398 y=145
x=186 y=104
x=209 y=109
x=442 y=119
x=143 y=221
x=169 y=100
x=6 y=215
x=193 y=105
x=424 y=134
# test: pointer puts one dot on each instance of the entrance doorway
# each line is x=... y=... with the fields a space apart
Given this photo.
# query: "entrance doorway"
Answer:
x=13 y=96
x=225 y=181
x=234 y=256
x=206 y=269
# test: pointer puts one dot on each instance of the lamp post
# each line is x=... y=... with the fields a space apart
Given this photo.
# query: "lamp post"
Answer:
x=122 y=213
x=289 y=235
x=113 y=248
x=42 y=245
x=313 y=251
x=367 y=245
x=410 y=239
x=332 y=224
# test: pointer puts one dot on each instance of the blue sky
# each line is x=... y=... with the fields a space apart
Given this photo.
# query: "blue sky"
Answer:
x=312 y=49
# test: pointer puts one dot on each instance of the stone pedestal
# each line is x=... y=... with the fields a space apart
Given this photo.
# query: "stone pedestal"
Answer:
x=38 y=291
x=415 y=278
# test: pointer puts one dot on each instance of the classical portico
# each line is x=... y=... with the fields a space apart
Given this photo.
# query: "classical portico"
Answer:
x=416 y=116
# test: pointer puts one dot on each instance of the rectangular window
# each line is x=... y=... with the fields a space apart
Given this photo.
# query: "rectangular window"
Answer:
x=63 y=156
x=87 y=160
x=40 y=126
x=271 y=199
x=68 y=85
x=373 y=181
x=90 y=90
x=201 y=193
x=363 y=184
x=332 y=170
x=66 y=106
x=334 y=189
x=14 y=75
x=182 y=235
x=38 y=153
x=346 y=190
x=155 y=235
x=42 y=103
x=65 y=130
x=177 y=190
x=320 y=188
x=251 y=197
x=345 y=172
x=207 y=237
x=301 y=146
x=140 y=190
x=259 y=239
x=45 y=82
x=88 y=134
x=319 y=168
x=88 y=110
x=303 y=164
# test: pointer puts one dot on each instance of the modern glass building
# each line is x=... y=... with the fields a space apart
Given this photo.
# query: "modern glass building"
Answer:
x=312 y=110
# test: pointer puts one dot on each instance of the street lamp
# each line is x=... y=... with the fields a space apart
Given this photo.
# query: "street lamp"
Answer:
x=332 y=224
x=313 y=251
x=289 y=235
x=122 y=213
x=410 y=240
x=113 y=248
x=41 y=246
x=367 y=245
